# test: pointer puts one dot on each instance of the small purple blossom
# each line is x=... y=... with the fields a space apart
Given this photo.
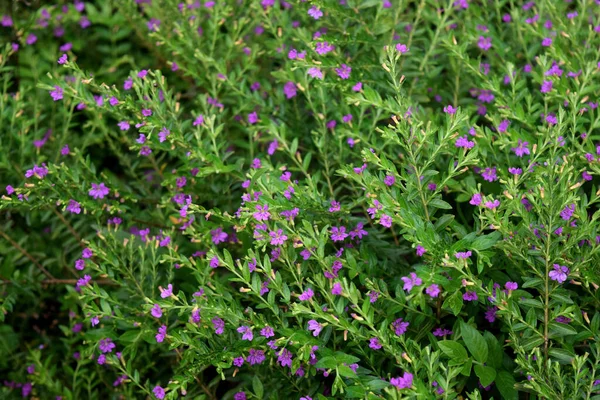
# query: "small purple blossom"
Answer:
x=403 y=382
x=315 y=327
x=375 y=344
x=559 y=273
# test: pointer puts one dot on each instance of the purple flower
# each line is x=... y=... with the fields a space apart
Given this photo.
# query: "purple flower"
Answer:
x=255 y=356
x=492 y=205
x=511 y=285
x=218 y=325
x=252 y=118
x=106 y=345
x=521 y=148
x=475 y=200
x=551 y=120
x=338 y=234
x=156 y=311
x=433 y=290
x=484 y=43
x=277 y=238
x=62 y=59
x=285 y=358
x=440 y=332
x=463 y=255
x=374 y=343
x=401 y=48
x=389 y=180
x=411 y=281
x=490 y=314
x=246 y=332
x=567 y=212
x=164 y=293
x=57 y=93
x=80 y=264
x=238 y=361
x=421 y=250
x=489 y=174
x=162 y=333
x=73 y=207
x=546 y=87
x=159 y=392
x=515 y=171
x=559 y=273
x=31 y=39
x=449 y=110
x=315 y=327
x=315 y=12
x=84 y=281
x=400 y=327
x=358 y=231
x=262 y=213
x=343 y=71
x=547 y=42
x=307 y=294
x=315 y=72
x=373 y=296
x=267 y=332
x=98 y=191
x=337 y=289
x=464 y=142
x=198 y=121
x=403 y=382
x=162 y=135
x=239 y=396
x=289 y=89
x=218 y=236
x=386 y=221
x=470 y=296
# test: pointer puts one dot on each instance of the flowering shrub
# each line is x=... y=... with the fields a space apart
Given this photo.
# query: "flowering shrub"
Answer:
x=305 y=199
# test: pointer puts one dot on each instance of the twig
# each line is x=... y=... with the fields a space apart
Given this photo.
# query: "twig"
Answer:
x=68 y=225
x=26 y=254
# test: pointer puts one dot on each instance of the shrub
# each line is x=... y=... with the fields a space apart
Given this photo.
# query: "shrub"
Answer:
x=315 y=199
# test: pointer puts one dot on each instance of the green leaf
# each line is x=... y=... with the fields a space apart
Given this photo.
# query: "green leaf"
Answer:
x=355 y=392
x=474 y=342
x=129 y=336
x=505 y=383
x=559 y=330
x=439 y=203
x=346 y=371
x=531 y=342
x=327 y=363
x=453 y=349
x=563 y=356
x=466 y=371
x=454 y=303
x=377 y=384
x=257 y=387
x=485 y=242
x=105 y=306
x=485 y=374
x=369 y=3
x=343 y=358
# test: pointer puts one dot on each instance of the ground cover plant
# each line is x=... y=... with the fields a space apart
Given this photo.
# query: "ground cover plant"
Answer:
x=269 y=199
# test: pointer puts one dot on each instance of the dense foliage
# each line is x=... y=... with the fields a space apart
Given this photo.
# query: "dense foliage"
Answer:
x=269 y=199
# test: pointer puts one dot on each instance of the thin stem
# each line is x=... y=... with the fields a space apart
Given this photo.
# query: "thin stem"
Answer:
x=26 y=254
